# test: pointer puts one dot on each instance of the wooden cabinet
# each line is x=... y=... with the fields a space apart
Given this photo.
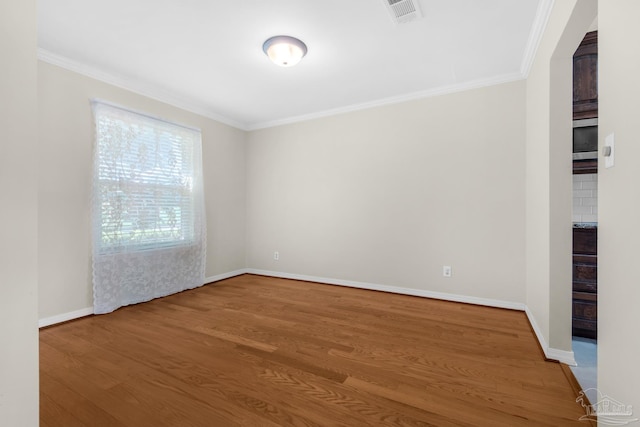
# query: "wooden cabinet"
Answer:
x=585 y=282
x=585 y=166
x=585 y=78
x=585 y=240
x=585 y=102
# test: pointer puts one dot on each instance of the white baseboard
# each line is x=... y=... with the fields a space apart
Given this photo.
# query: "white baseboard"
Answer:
x=550 y=353
x=395 y=289
x=562 y=356
x=64 y=317
x=223 y=276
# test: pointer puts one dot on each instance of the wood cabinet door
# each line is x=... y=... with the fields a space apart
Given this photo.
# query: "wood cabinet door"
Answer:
x=585 y=78
x=585 y=282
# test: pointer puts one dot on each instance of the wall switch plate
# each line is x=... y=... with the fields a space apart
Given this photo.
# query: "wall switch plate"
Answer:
x=609 y=150
x=276 y=255
x=446 y=270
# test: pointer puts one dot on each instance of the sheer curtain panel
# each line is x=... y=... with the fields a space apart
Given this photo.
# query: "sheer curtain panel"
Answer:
x=148 y=219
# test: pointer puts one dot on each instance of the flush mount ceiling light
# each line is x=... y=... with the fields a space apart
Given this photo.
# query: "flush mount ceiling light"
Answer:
x=285 y=51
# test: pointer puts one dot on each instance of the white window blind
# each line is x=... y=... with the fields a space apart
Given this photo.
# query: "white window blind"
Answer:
x=148 y=206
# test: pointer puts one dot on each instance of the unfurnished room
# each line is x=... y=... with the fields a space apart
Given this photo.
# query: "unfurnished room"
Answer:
x=319 y=213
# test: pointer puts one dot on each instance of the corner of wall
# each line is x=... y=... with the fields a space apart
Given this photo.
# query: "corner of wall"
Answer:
x=548 y=181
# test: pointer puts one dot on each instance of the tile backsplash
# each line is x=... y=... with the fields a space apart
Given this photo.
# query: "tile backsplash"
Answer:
x=585 y=198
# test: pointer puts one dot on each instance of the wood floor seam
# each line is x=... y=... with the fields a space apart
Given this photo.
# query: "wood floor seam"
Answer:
x=263 y=351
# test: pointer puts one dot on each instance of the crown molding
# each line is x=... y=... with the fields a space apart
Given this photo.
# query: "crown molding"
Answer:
x=414 y=96
x=535 y=35
x=136 y=86
x=162 y=95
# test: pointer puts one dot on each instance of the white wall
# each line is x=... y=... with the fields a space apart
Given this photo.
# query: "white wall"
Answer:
x=619 y=202
x=549 y=172
x=65 y=124
x=18 y=216
x=389 y=195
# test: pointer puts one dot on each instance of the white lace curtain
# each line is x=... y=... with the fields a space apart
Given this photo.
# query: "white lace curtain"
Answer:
x=148 y=208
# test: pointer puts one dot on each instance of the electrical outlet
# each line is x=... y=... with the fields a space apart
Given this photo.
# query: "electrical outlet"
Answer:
x=276 y=255
x=446 y=270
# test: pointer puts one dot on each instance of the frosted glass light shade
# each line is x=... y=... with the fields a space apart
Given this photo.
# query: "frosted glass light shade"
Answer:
x=285 y=51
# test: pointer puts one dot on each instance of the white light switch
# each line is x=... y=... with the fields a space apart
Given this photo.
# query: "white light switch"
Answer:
x=608 y=151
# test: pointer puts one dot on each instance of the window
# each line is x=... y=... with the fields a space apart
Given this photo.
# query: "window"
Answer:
x=145 y=179
x=149 y=234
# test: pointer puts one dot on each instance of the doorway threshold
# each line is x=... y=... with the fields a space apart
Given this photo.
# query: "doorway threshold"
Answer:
x=586 y=355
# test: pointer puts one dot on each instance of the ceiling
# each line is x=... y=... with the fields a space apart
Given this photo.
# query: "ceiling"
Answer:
x=206 y=55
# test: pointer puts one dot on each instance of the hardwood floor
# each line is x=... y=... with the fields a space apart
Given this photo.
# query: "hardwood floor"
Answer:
x=258 y=351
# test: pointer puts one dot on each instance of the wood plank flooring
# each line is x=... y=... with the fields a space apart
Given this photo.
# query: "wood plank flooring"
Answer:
x=258 y=351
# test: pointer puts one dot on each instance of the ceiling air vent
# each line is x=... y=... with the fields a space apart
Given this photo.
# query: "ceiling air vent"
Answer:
x=403 y=11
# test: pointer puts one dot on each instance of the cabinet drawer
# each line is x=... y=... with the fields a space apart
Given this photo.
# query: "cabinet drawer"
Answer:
x=587 y=310
x=585 y=241
x=585 y=272
x=585 y=328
